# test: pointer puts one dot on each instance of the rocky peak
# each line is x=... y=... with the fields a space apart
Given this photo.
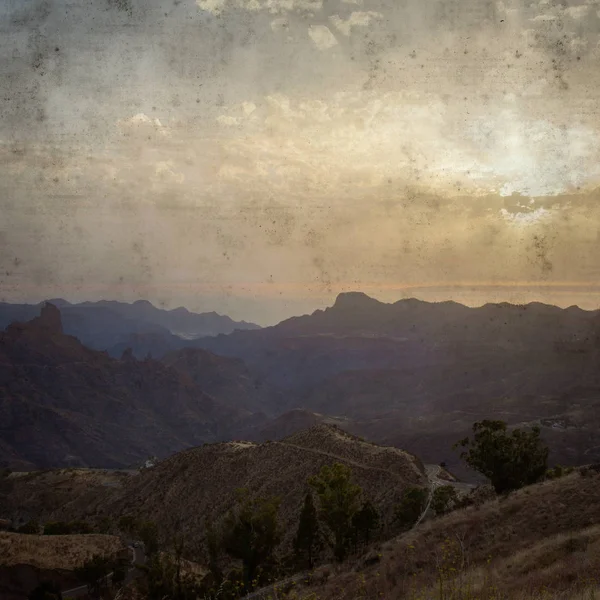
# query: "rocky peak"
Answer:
x=49 y=319
x=355 y=300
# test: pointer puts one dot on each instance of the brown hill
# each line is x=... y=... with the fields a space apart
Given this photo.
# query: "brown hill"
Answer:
x=200 y=483
x=62 y=403
x=190 y=486
x=542 y=539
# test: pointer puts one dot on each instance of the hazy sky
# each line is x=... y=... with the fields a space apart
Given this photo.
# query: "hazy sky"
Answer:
x=256 y=157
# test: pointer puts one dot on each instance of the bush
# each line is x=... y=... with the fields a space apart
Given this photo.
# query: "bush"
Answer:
x=444 y=499
x=558 y=471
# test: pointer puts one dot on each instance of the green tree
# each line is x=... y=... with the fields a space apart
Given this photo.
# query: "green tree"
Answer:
x=47 y=590
x=411 y=506
x=251 y=534
x=309 y=539
x=339 y=501
x=510 y=460
x=444 y=499
x=365 y=521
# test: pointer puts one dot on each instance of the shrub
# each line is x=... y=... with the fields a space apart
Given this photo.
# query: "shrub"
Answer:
x=444 y=499
x=558 y=471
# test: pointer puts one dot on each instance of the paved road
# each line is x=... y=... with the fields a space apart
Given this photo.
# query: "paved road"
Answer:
x=138 y=556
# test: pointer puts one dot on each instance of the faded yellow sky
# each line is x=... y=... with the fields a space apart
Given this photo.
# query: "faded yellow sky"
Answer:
x=256 y=157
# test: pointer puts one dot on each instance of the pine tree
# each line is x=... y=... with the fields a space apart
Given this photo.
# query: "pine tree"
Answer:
x=339 y=501
x=308 y=541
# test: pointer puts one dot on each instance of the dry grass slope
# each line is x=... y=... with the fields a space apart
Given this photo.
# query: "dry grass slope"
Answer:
x=544 y=539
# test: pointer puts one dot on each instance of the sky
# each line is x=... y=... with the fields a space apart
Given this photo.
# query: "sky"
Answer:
x=258 y=157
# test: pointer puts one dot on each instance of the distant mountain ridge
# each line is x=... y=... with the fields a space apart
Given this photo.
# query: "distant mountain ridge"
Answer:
x=108 y=324
x=63 y=404
x=417 y=374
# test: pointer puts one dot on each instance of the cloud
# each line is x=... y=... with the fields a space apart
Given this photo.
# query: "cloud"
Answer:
x=528 y=217
x=142 y=124
x=368 y=137
x=356 y=19
x=322 y=37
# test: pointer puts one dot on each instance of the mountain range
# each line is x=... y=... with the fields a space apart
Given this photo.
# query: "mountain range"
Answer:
x=107 y=324
x=412 y=374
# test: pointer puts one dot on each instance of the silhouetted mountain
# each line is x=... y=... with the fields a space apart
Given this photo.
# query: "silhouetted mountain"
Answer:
x=178 y=321
x=110 y=325
x=62 y=403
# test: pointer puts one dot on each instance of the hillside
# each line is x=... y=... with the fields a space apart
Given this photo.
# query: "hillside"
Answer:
x=190 y=486
x=542 y=539
x=64 y=404
x=185 y=489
